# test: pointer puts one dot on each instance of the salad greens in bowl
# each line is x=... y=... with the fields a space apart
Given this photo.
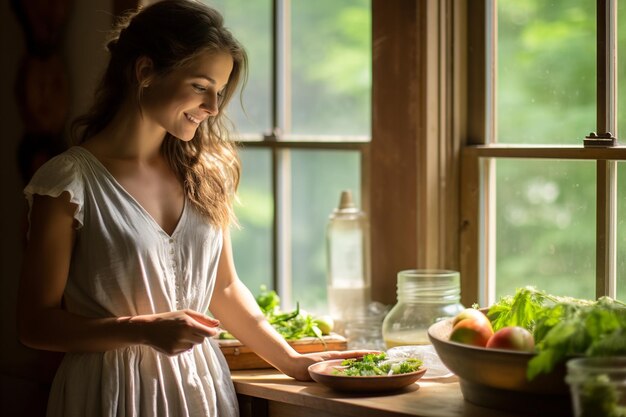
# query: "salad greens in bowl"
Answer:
x=371 y=373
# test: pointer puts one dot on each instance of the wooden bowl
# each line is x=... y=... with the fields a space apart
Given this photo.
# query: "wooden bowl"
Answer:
x=496 y=378
x=322 y=372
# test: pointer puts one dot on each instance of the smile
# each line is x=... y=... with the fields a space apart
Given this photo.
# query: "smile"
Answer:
x=193 y=119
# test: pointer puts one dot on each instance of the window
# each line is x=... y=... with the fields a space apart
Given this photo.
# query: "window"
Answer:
x=544 y=200
x=305 y=127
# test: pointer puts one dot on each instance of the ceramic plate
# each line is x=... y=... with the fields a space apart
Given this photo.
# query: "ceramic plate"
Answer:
x=322 y=372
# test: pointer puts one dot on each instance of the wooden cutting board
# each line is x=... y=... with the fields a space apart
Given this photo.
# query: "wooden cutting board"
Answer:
x=240 y=356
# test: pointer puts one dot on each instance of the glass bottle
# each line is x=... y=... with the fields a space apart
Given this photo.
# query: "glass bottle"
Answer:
x=348 y=266
x=424 y=297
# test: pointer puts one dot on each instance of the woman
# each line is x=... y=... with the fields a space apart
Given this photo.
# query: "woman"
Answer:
x=128 y=241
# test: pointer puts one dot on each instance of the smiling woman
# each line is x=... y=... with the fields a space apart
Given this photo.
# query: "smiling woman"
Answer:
x=180 y=101
x=129 y=242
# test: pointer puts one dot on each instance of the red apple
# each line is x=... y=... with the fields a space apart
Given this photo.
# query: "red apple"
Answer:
x=469 y=313
x=474 y=332
x=512 y=338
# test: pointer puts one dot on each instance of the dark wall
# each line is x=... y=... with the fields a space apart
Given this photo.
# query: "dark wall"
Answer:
x=24 y=372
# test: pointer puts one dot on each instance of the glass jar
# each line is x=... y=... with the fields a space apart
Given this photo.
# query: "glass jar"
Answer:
x=424 y=297
x=597 y=385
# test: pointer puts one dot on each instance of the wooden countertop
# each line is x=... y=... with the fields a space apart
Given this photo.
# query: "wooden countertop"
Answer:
x=426 y=398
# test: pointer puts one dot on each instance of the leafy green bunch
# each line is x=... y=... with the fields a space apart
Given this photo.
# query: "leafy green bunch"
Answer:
x=377 y=364
x=563 y=326
x=292 y=325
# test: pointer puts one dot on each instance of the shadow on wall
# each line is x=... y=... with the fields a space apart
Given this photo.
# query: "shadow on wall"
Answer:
x=42 y=97
x=41 y=87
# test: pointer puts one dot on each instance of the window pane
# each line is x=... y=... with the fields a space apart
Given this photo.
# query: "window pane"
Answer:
x=252 y=244
x=318 y=177
x=546 y=71
x=331 y=67
x=621 y=69
x=251 y=23
x=621 y=231
x=545 y=226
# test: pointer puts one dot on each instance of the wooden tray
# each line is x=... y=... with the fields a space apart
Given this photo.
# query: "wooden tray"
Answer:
x=239 y=356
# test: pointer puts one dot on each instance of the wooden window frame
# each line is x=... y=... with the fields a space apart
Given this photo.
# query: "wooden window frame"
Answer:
x=480 y=152
x=418 y=123
x=280 y=142
x=432 y=157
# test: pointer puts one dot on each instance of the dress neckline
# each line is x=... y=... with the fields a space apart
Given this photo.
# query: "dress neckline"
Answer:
x=117 y=184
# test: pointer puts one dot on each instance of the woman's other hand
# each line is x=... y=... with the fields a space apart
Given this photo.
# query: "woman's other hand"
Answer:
x=177 y=331
x=301 y=363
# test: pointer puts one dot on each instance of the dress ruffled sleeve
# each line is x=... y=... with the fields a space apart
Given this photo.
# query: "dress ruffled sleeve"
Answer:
x=59 y=174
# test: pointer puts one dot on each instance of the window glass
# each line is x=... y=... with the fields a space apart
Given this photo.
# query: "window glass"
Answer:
x=318 y=177
x=621 y=231
x=329 y=83
x=545 y=226
x=331 y=67
x=546 y=85
x=621 y=69
x=250 y=21
x=252 y=243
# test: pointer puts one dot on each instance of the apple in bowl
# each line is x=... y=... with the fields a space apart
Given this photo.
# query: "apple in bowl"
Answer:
x=512 y=338
x=471 y=327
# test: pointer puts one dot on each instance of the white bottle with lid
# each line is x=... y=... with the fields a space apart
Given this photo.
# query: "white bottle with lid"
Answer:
x=348 y=262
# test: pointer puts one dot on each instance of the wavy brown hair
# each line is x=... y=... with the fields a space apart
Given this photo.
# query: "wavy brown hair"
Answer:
x=172 y=33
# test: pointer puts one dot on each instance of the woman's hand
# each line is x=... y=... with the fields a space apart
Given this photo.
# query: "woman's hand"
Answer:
x=177 y=331
x=300 y=364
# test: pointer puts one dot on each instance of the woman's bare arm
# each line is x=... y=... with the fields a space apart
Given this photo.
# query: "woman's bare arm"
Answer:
x=236 y=308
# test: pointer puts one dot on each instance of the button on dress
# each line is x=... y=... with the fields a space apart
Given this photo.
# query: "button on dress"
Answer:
x=125 y=264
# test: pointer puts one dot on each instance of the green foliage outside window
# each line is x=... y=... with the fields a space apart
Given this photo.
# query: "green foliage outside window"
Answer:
x=546 y=94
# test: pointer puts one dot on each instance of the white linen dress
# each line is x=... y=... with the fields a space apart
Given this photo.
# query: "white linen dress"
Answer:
x=124 y=264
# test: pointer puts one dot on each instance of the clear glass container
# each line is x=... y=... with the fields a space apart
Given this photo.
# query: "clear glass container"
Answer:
x=364 y=331
x=597 y=385
x=424 y=297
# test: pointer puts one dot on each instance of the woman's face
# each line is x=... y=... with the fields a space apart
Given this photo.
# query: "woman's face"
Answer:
x=183 y=99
